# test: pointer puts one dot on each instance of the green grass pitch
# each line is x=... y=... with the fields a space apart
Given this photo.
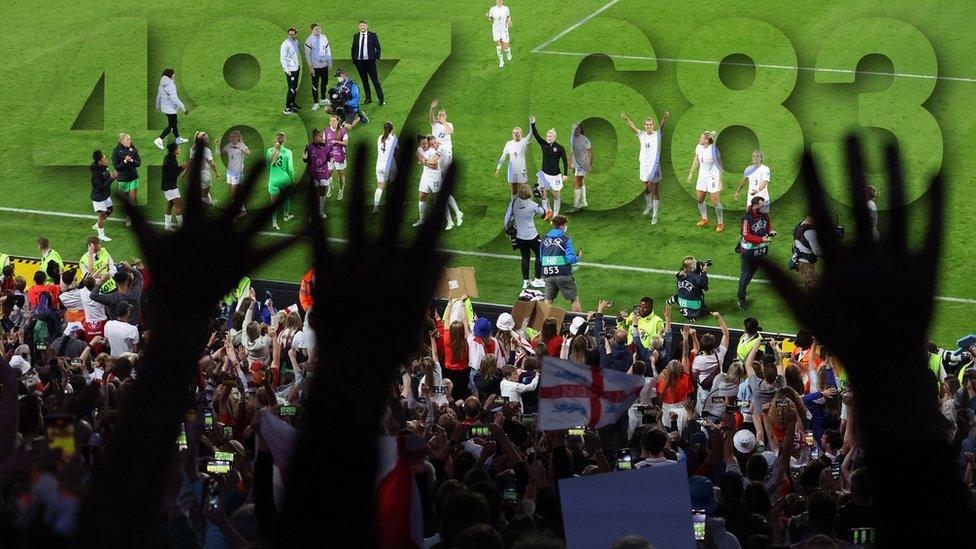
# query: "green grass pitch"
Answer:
x=75 y=75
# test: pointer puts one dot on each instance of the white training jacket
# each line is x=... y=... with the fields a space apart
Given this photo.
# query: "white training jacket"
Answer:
x=318 y=57
x=167 y=102
x=290 y=61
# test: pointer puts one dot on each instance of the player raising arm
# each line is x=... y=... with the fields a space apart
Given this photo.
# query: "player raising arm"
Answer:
x=501 y=20
x=757 y=175
x=444 y=132
x=515 y=151
x=650 y=161
x=708 y=162
x=549 y=176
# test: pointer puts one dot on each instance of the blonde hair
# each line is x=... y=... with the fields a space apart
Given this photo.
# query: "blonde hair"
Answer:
x=519 y=128
x=687 y=265
x=524 y=191
x=123 y=135
x=711 y=134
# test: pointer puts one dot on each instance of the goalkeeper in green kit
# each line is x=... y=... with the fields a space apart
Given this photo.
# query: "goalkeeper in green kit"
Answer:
x=281 y=176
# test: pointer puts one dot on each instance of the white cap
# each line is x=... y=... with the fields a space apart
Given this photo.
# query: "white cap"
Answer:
x=505 y=322
x=744 y=441
x=578 y=322
x=19 y=363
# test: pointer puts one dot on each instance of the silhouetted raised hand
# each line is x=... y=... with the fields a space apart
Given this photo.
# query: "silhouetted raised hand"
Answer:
x=370 y=300
x=872 y=309
x=192 y=269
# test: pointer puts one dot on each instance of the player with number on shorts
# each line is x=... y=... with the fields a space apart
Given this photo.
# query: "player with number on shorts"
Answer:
x=650 y=161
x=386 y=148
x=708 y=161
x=430 y=178
x=550 y=179
x=501 y=20
x=236 y=150
x=101 y=193
x=207 y=166
x=518 y=172
x=444 y=132
x=336 y=139
x=316 y=155
x=757 y=175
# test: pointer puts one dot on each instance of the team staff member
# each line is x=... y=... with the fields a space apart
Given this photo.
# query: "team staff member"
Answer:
x=97 y=262
x=126 y=160
x=582 y=164
x=352 y=115
x=691 y=286
x=48 y=256
x=168 y=103
x=756 y=231
x=365 y=54
x=558 y=257
x=521 y=214
x=318 y=54
x=805 y=252
x=549 y=176
x=290 y=63
x=101 y=193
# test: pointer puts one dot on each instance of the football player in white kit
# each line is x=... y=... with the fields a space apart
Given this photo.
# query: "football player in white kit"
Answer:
x=386 y=147
x=430 y=179
x=518 y=173
x=236 y=150
x=444 y=132
x=501 y=19
x=708 y=161
x=650 y=162
x=757 y=175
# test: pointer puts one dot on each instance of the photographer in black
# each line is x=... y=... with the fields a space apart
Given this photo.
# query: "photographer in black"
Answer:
x=691 y=287
x=344 y=101
x=756 y=232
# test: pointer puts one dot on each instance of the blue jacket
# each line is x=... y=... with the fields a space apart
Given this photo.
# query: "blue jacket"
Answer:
x=353 y=88
x=557 y=253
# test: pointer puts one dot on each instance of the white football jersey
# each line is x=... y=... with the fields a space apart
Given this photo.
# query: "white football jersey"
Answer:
x=499 y=17
x=384 y=151
x=516 y=153
x=439 y=131
x=649 y=147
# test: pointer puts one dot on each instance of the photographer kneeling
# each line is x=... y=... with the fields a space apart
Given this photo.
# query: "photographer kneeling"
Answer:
x=691 y=287
x=756 y=231
x=344 y=101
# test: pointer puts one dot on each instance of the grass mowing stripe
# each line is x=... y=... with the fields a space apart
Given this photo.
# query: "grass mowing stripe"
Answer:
x=762 y=65
x=489 y=255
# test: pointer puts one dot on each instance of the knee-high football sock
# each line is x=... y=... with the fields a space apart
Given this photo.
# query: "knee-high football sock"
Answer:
x=703 y=210
x=720 y=213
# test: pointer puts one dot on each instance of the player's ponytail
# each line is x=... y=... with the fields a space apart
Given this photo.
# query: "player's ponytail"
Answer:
x=387 y=130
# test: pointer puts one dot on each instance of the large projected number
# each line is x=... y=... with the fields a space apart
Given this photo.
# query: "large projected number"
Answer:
x=757 y=107
x=897 y=109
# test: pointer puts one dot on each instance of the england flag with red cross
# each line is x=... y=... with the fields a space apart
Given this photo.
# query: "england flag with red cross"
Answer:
x=571 y=394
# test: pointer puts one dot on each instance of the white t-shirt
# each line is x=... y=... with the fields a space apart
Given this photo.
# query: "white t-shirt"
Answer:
x=384 y=151
x=205 y=165
x=235 y=157
x=649 y=147
x=431 y=173
x=439 y=131
x=122 y=337
x=513 y=389
x=704 y=365
x=708 y=162
x=516 y=154
x=756 y=177
x=81 y=299
x=499 y=17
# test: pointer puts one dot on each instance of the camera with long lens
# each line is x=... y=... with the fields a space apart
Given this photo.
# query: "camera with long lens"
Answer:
x=338 y=97
x=701 y=265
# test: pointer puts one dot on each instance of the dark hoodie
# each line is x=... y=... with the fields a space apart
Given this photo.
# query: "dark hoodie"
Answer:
x=620 y=357
x=101 y=181
x=128 y=171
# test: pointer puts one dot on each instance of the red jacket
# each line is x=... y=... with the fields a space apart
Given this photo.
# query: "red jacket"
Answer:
x=745 y=227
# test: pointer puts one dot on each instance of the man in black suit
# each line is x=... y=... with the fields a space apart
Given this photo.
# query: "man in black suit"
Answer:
x=365 y=54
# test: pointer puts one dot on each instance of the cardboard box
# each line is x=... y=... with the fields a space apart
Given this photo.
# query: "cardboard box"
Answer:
x=537 y=312
x=457 y=282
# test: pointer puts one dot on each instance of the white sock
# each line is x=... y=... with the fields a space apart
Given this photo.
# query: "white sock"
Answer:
x=447 y=214
x=508 y=52
x=655 y=205
x=377 y=194
x=208 y=199
x=422 y=206
x=577 y=197
x=647 y=199
x=582 y=189
x=545 y=203
x=498 y=51
x=720 y=213
x=452 y=204
x=556 y=203
x=179 y=218
x=167 y=220
x=703 y=210
x=101 y=231
x=322 y=205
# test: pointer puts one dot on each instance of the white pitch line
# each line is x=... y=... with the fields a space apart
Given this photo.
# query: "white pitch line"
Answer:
x=574 y=26
x=762 y=65
x=489 y=255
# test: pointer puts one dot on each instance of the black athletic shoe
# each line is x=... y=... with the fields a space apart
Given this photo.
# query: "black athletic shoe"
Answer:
x=367 y=102
x=363 y=118
x=743 y=305
x=382 y=102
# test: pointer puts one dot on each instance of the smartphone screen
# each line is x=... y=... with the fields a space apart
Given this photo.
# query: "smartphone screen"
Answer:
x=500 y=401
x=864 y=536
x=510 y=493
x=224 y=456
x=624 y=460
x=212 y=491
x=527 y=419
x=439 y=390
x=576 y=432
x=218 y=466
x=60 y=432
x=698 y=523
x=228 y=431
x=287 y=410
x=181 y=438
x=479 y=431
x=835 y=469
x=808 y=438
x=207 y=418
